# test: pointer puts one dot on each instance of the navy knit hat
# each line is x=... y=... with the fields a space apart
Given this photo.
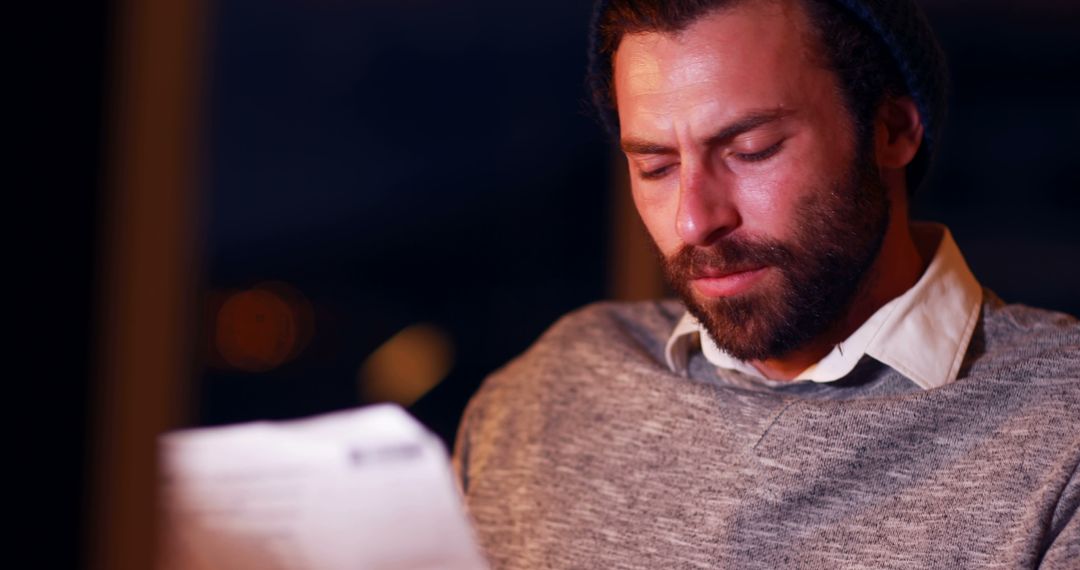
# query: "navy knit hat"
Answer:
x=900 y=25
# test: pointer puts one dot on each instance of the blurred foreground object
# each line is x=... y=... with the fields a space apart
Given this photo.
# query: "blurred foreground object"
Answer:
x=367 y=488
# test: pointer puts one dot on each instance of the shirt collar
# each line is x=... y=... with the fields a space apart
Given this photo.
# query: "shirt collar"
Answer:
x=922 y=334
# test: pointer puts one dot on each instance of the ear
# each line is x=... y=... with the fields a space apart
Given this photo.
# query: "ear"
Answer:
x=898 y=132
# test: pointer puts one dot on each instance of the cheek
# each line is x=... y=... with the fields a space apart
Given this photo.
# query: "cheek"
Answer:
x=770 y=198
x=766 y=201
x=658 y=211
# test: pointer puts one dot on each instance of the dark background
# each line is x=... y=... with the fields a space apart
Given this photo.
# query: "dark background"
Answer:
x=422 y=161
x=400 y=163
x=433 y=162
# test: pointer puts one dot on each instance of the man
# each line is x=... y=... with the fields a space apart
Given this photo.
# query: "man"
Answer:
x=835 y=389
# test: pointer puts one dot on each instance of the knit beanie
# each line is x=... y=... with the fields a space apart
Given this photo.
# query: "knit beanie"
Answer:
x=900 y=25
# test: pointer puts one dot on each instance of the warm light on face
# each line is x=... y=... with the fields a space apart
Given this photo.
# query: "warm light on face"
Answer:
x=729 y=125
x=744 y=169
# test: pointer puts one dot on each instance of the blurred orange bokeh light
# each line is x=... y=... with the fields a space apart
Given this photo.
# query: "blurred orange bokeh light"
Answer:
x=262 y=328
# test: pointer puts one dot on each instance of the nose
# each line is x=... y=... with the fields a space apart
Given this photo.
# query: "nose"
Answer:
x=706 y=209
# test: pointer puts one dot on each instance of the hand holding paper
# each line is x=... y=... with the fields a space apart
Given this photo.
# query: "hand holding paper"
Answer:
x=363 y=489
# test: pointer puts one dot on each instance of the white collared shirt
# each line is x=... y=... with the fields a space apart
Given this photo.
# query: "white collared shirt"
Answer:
x=922 y=334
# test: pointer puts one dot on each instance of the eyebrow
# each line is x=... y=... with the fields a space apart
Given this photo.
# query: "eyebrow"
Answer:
x=746 y=123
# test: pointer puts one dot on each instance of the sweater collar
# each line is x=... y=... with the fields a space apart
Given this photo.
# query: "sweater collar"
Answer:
x=922 y=334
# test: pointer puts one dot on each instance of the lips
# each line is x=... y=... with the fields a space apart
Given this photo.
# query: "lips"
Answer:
x=726 y=282
x=716 y=272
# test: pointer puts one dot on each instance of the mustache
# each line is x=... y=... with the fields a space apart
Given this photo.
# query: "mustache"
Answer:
x=730 y=255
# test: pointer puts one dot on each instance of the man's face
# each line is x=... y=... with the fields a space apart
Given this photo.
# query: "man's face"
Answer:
x=746 y=172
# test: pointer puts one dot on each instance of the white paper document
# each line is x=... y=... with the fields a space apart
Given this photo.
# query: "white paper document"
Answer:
x=355 y=490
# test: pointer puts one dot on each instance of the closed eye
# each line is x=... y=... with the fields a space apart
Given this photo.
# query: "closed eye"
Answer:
x=655 y=173
x=760 y=155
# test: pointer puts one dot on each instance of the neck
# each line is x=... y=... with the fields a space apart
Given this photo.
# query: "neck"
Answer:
x=895 y=270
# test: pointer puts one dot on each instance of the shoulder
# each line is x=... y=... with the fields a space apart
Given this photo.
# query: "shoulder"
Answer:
x=1029 y=330
x=594 y=336
x=1020 y=317
x=645 y=323
x=580 y=365
x=580 y=352
x=1030 y=343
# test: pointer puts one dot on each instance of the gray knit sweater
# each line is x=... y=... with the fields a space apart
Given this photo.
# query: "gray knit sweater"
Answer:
x=587 y=452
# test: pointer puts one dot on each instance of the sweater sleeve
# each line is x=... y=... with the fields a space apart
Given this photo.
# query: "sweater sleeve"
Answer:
x=459 y=459
x=1064 y=549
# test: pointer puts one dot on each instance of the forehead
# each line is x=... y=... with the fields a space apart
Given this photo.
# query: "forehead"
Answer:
x=750 y=55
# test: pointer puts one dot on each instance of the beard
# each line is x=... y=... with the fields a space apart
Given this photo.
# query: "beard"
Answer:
x=818 y=273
